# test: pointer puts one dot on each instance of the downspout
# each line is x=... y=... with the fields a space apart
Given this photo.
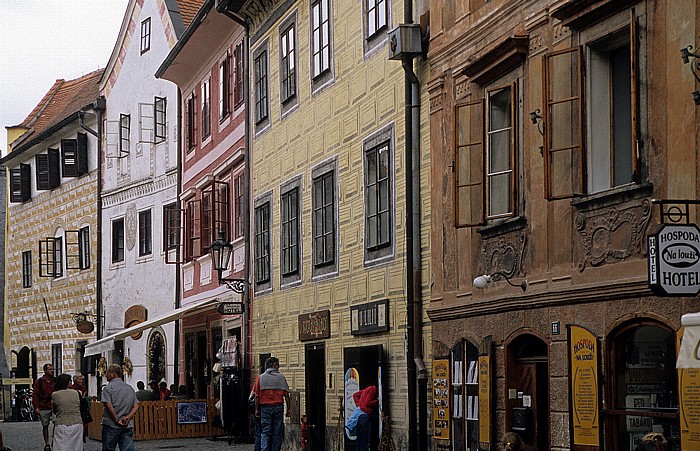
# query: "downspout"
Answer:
x=102 y=103
x=176 y=351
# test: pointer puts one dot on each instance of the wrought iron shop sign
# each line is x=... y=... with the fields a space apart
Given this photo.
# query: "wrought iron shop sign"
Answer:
x=674 y=260
x=369 y=318
x=134 y=315
x=316 y=325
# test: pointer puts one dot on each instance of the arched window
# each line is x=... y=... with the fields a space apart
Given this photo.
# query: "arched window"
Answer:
x=642 y=389
x=156 y=357
x=465 y=400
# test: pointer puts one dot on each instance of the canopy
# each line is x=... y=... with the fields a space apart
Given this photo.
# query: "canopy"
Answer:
x=689 y=354
x=107 y=343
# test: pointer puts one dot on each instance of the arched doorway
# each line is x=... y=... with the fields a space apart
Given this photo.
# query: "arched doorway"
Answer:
x=641 y=389
x=24 y=363
x=527 y=390
x=156 y=357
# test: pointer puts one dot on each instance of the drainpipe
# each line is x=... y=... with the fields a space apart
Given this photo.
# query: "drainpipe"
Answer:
x=100 y=107
x=178 y=266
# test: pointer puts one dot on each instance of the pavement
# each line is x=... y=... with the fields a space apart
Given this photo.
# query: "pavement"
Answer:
x=26 y=436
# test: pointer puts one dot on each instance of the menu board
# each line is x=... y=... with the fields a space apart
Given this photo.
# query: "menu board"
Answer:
x=583 y=377
x=441 y=399
x=689 y=405
x=484 y=402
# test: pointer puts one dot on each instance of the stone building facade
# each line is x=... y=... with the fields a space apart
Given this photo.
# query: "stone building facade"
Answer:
x=554 y=124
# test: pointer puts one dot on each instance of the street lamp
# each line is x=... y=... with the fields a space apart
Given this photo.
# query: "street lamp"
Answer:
x=482 y=281
x=220 y=251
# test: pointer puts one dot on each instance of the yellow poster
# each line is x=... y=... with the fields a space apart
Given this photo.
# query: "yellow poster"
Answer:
x=689 y=402
x=441 y=399
x=485 y=402
x=583 y=366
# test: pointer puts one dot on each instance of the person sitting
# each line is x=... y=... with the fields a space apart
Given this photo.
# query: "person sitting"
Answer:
x=142 y=394
x=164 y=394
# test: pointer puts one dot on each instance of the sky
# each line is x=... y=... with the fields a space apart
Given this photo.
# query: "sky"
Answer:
x=42 y=41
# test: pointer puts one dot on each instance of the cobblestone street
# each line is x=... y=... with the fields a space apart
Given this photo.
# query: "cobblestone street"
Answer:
x=26 y=436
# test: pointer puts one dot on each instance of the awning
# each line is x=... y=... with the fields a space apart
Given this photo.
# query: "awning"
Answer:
x=689 y=354
x=107 y=343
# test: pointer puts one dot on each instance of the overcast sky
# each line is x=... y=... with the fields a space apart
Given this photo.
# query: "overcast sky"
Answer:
x=42 y=41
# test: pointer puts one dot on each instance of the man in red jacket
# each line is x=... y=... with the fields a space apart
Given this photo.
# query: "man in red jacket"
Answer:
x=41 y=397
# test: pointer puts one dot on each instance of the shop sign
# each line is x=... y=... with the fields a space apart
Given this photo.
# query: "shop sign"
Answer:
x=230 y=308
x=84 y=326
x=369 y=318
x=316 y=325
x=441 y=399
x=689 y=402
x=583 y=377
x=674 y=260
x=485 y=402
x=134 y=315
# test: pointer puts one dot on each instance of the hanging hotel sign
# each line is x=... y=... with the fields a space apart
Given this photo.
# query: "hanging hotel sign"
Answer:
x=134 y=315
x=674 y=260
x=441 y=399
x=583 y=377
x=316 y=325
x=369 y=318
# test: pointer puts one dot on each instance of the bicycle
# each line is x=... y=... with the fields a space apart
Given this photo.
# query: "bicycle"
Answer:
x=26 y=406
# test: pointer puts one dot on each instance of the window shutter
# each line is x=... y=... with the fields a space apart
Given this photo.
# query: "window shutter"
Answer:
x=69 y=157
x=221 y=221
x=207 y=217
x=469 y=193
x=193 y=229
x=20 y=183
x=54 y=168
x=82 y=155
x=173 y=227
x=634 y=94
x=72 y=249
x=42 y=171
x=564 y=164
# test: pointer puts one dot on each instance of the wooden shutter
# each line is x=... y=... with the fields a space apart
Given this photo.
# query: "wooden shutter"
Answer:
x=564 y=164
x=73 y=249
x=634 y=95
x=173 y=227
x=48 y=173
x=221 y=220
x=69 y=157
x=469 y=193
x=54 y=168
x=20 y=183
x=193 y=229
x=82 y=155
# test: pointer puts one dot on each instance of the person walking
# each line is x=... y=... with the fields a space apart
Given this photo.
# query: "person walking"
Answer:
x=68 y=424
x=79 y=384
x=367 y=403
x=41 y=397
x=142 y=394
x=271 y=392
x=120 y=403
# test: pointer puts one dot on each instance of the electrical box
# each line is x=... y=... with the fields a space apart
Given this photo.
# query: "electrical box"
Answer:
x=405 y=40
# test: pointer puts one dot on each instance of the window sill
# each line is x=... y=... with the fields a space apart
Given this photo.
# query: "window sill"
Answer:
x=502 y=226
x=612 y=197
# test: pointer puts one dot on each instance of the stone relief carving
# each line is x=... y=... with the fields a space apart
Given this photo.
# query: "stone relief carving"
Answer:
x=130 y=226
x=504 y=253
x=613 y=234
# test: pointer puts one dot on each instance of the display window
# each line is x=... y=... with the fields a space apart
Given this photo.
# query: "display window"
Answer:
x=465 y=397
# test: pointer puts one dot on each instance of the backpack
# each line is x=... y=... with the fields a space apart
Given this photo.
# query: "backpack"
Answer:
x=85 y=413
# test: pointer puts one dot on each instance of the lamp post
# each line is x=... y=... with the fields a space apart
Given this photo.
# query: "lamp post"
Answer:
x=220 y=251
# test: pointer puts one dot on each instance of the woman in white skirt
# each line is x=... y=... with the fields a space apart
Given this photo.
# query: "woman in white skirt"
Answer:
x=68 y=425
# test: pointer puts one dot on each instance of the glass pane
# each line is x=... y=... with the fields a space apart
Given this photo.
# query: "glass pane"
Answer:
x=372 y=200
x=372 y=231
x=384 y=162
x=499 y=109
x=499 y=152
x=384 y=195
x=381 y=7
x=330 y=247
x=499 y=194
x=371 y=22
x=371 y=167
x=384 y=228
x=622 y=117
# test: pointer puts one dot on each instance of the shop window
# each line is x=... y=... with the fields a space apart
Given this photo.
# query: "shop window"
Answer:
x=465 y=397
x=642 y=385
x=591 y=132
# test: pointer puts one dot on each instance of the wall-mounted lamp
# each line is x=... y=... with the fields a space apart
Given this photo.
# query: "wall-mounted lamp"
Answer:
x=220 y=251
x=482 y=281
x=686 y=54
x=536 y=118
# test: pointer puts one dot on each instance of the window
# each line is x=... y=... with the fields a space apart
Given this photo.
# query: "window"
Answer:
x=239 y=206
x=84 y=243
x=500 y=155
x=145 y=235
x=48 y=173
x=378 y=195
x=78 y=248
x=124 y=133
x=51 y=257
x=465 y=390
x=26 y=269
x=240 y=75
x=145 y=37
x=323 y=219
x=20 y=183
x=193 y=229
x=225 y=87
x=172 y=226
x=262 y=243
x=118 y=240
x=74 y=158
x=289 y=204
x=261 y=86
x=376 y=16
x=288 y=87
x=215 y=214
x=190 y=123
x=57 y=358
x=320 y=37
x=608 y=156
x=159 y=110
x=206 y=108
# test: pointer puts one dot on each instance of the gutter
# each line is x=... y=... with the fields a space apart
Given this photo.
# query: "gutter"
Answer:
x=19 y=150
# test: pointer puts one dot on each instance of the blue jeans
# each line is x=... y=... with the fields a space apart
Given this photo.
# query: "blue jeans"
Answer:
x=271 y=427
x=256 y=432
x=113 y=436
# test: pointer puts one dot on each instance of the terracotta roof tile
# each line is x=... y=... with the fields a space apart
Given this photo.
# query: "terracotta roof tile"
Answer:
x=63 y=99
x=189 y=9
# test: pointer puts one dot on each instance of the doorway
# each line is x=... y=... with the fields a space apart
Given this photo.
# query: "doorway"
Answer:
x=367 y=363
x=316 y=395
x=527 y=391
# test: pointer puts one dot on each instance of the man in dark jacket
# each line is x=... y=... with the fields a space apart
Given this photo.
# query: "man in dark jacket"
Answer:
x=41 y=397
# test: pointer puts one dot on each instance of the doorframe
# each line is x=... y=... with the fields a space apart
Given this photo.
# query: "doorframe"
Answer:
x=316 y=347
